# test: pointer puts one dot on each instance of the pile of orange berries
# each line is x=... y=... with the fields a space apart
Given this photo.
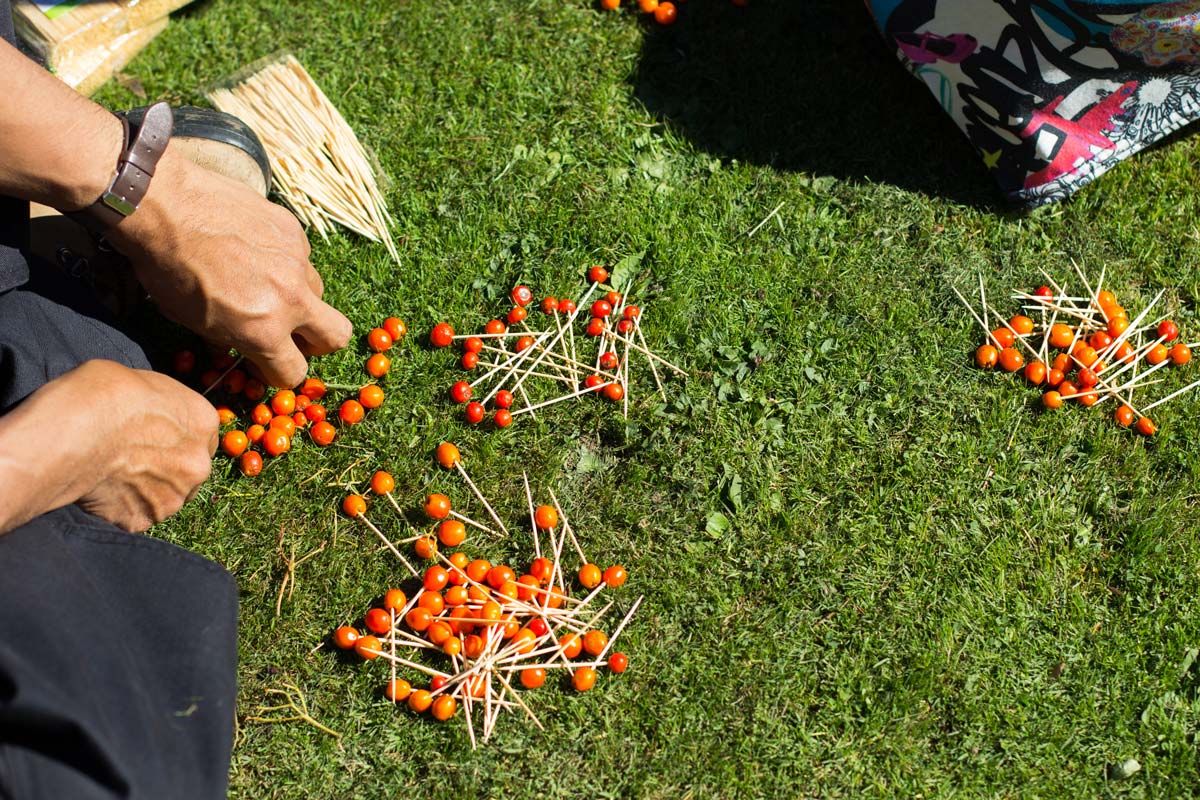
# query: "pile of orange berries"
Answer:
x=1096 y=348
x=275 y=421
x=460 y=606
x=494 y=626
x=665 y=12
x=508 y=351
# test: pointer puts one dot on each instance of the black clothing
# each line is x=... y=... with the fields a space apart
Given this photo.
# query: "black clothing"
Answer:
x=14 y=214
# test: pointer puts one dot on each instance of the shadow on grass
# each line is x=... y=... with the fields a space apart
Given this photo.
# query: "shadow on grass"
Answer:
x=807 y=86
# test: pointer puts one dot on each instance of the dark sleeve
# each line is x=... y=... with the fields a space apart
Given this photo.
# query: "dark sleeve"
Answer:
x=14 y=214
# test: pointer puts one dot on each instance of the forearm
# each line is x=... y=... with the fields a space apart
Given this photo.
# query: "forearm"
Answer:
x=42 y=463
x=56 y=147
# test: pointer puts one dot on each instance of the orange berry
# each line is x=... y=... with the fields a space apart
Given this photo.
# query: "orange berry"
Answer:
x=1035 y=372
x=500 y=574
x=379 y=340
x=425 y=547
x=1021 y=324
x=225 y=415
x=437 y=506
x=533 y=678
x=1011 y=359
x=477 y=570
x=234 y=443
x=1146 y=427
x=286 y=424
x=354 y=504
x=455 y=596
x=1067 y=389
x=1054 y=377
x=345 y=637
x=590 y=576
x=284 y=402
x=1124 y=416
x=1180 y=353
x=378 y=365
x=351 y=412
x=594 y=642
x=452 y=533
x=571 y=645
x=1117 y=326
x=583 y=679
x=444 y=707
x=418 y=619
x=322 y=433
x=546 y=517
x=261 y=414
x=647 y=7
x=371 y=396
x=420 y=700
x=436 y=578
x=398 y=690
x=276 y=441
x=313 y=388
x=395 y=328
x=368 y=647
x=1158 y=354
x=1052 y=399
x=382 y=483
x=615 y=576
x=251 y=463
x=608 y=5
x=618 y=662
x=394 y=599
x=447 y=455
x=666 y=13
x=1061 y=336
x=986 y=356
x=1003 y=337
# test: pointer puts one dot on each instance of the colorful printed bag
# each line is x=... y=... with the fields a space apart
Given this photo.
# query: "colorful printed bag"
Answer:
x=1052 y=93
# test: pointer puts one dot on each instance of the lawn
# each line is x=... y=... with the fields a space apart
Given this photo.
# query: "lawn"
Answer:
x=869 y=568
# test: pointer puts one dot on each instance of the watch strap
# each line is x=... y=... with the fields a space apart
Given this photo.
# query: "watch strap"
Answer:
x=143 y=147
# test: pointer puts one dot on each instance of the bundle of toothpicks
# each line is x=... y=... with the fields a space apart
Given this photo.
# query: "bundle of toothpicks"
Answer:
x=318 y=166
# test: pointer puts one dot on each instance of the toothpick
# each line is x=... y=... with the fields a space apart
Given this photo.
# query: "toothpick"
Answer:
x=620 y=627
x=230 y=369
x=566 y=524
x=537 y=545
x=390 y=546
x=571 y=396
x=478 y=494
x=1172 y=395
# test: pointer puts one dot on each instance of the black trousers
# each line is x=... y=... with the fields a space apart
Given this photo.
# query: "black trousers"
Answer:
x=118 y=652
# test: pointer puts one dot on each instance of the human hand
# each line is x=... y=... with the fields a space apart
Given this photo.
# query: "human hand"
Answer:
x=137 y=449
x=158 y=441
x=233 y=267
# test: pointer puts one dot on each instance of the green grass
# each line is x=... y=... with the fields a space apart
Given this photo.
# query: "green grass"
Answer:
x=926 y=587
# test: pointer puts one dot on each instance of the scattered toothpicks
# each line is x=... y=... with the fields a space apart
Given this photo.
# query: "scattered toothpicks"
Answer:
x=497 y=636
x=511 y=356
x=1098 y=345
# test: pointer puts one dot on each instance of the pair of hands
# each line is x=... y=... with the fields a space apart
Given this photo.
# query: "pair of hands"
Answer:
x=232 y=267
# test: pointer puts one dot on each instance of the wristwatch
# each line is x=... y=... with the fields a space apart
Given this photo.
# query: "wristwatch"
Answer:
x=143 y=147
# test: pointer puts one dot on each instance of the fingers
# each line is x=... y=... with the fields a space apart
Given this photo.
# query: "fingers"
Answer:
x=324 y=330
x=283 y=367
x=313 y=278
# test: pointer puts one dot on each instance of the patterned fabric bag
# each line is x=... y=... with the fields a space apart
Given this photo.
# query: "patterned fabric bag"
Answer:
x=1052 y=93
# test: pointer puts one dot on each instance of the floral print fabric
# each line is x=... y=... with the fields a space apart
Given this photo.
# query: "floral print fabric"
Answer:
x=1052 y=93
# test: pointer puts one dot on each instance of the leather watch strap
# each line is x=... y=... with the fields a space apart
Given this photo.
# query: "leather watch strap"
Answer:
x=144 y=146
